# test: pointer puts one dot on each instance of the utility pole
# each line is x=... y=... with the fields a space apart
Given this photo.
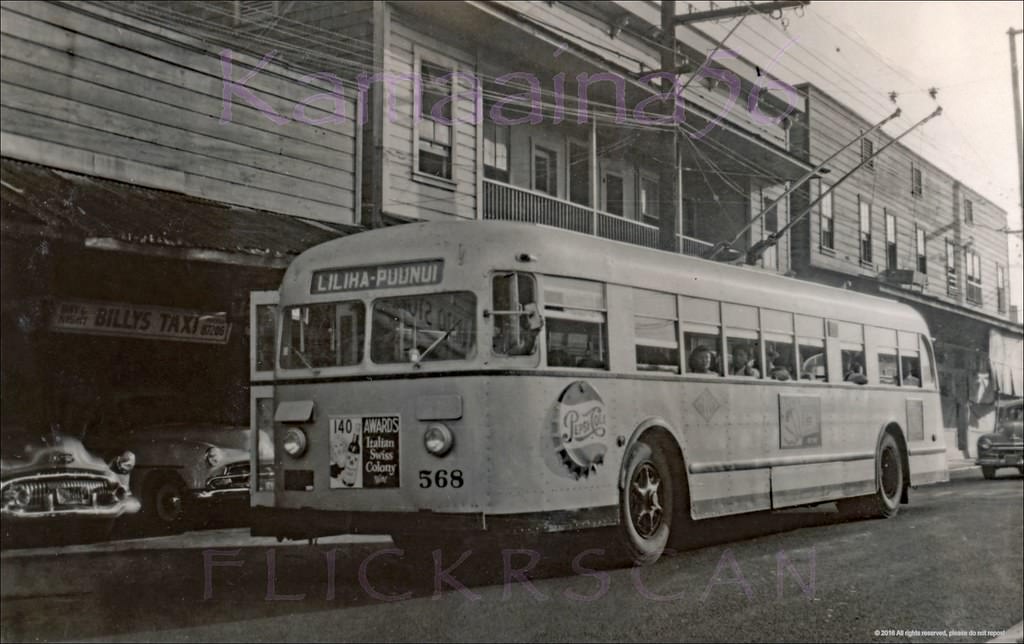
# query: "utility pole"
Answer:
x=670 y=179
x=1015 y=72
x=669 y=197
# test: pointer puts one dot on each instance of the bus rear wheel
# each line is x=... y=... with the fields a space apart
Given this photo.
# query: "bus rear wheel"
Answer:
x=890 y=478
x=647 y=504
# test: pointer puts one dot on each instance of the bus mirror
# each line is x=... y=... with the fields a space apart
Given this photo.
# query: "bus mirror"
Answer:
x=534 y=319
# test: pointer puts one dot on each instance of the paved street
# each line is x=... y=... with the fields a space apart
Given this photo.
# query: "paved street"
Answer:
x=952 y=561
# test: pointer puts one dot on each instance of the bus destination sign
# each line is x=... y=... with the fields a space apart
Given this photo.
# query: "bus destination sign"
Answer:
x=357 y=278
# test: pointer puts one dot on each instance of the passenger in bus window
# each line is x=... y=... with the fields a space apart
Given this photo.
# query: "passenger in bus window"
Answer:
x=701 y=360
x=743 y=364
x=911 y=372
x=775 y=369
x=855 y=374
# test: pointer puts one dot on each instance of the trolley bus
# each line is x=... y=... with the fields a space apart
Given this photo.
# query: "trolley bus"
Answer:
x=440 y=379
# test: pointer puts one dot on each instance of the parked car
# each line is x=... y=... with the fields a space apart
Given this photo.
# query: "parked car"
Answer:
x=54 y=482
x=186 y=464
x=1005 y=446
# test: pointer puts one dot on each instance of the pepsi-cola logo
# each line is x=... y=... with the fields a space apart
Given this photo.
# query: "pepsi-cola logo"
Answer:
x=581 y=424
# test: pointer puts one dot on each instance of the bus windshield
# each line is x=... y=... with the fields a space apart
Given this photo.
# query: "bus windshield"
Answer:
x=323 y=335
x=436 y=326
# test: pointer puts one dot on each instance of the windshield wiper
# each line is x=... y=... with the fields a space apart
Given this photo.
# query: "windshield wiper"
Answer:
x=417 y=359
x=305 y=360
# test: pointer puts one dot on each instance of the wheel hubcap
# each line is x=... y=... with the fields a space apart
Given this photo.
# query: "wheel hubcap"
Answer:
x=170 y=505
x=890 y=473
x=645 y=508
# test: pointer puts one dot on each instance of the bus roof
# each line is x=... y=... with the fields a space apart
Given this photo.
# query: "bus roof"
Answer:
x=479 y=246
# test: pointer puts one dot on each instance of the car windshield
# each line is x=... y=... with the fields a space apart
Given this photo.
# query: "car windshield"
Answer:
x=1011 y=414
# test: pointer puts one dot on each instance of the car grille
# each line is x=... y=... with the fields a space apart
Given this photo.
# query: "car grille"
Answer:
x=63 y=494
x=234 y=477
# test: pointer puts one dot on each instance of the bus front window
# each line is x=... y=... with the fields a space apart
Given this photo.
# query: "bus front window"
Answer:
x=323 y=335
x=423 y=328
x=516 y=317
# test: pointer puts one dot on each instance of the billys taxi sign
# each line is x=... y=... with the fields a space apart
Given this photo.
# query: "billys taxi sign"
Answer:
x=132 y=320
x=364 y=451
x=356 y=278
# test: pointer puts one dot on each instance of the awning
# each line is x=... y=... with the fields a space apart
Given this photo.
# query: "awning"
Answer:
x=42 y=202
x=1006 y=358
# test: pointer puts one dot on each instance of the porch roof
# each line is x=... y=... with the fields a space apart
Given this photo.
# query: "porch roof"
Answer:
x=43 y=202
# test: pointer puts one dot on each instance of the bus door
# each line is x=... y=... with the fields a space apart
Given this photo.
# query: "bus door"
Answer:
x=262 y=357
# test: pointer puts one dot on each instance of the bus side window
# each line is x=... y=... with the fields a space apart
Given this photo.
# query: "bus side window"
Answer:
x=742 y=341
x=888 y=367
x=655 y=331
x=514 y=297
x=702 y=334
x=777 y=327
x=813 y=359
x=778 y=355
x=853 y=365
x=851 y=342
x=701 y=345
x=576 y=323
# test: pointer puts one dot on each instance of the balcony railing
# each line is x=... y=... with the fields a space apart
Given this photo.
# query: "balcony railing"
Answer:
x=509 y=203
x=691 y=246
x=512 y=203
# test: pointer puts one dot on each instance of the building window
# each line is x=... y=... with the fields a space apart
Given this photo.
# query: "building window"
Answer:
x=973 y=261
x=545 y=171
x=865 y=232
x=867 y=149
x=828 y=235
x=968 y=212
x=614 y=193
x=497 y=139
x=916 y=181
x=649 y=201
x=579 y=173
x=922 y=251
x=891 y=258
x=1001 y=288
x=952 y=282
x=435 y=126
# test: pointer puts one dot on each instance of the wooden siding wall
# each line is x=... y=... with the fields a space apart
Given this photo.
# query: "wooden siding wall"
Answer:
x=406 y=192
x=888 y=188
x=89 y=90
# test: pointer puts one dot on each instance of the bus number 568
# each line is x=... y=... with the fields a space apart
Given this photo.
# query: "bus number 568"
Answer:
x=440 y=478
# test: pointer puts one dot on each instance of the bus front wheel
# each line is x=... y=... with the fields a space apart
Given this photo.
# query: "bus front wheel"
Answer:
x=646 y=504
x=890 y=478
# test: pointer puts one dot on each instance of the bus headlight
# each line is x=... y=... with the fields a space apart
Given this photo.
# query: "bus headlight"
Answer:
x=438 y=439
x=984 y=443
x=294 y=442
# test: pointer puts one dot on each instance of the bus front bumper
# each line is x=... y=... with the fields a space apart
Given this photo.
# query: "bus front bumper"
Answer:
x=304 y=523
